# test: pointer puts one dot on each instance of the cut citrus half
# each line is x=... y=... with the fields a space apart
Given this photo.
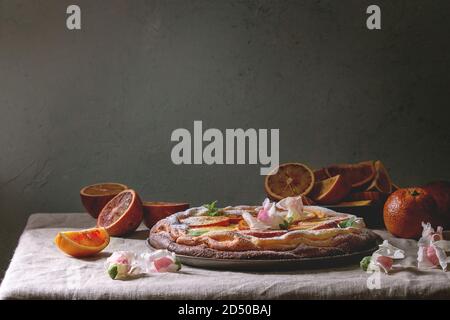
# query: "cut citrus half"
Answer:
x=331 y=190
x=82 y=243
x=96 y=196
x=382 y=181
x=291 y=179
x=122 y=214
x=156 y=210
x=356 y=174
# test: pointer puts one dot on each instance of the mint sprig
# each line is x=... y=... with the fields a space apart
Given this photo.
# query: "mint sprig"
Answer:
x=212 y=209
x=347 y=223
x=286 y=223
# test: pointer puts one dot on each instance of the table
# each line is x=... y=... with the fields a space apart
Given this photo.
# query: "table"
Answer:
x=38 y=270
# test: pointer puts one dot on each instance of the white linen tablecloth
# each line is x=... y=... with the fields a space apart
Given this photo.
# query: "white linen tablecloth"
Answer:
x=38 y=270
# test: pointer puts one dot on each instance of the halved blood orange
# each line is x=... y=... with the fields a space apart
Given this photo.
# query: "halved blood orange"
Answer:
x=82 y=243
x=331 y=190
x=382 y=181
x=96 y=196
x=291 y=179
x=122 y=214
x=157 y=210
x=356 y=174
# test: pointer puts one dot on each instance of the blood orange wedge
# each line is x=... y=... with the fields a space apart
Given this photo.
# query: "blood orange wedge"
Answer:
x=382 y=181
x=291 y=179
x=356 y=174
x=96 y=196
x=155 y=211
x=331 y=190
x=122 y=214
x=82 y=243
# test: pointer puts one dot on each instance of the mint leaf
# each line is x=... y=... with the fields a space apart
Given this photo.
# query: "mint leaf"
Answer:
x=347 y=223
x=196 y=233
x=212 y=210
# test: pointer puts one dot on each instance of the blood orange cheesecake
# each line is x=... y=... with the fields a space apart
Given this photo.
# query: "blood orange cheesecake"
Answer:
x=276 y=230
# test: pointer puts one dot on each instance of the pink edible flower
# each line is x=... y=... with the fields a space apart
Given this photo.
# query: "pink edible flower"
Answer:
x=164 y=261
x=121 y=257
x=263 y=214
x=166 y=264
x=432 y=248
x=384 y=263
x=432 y=256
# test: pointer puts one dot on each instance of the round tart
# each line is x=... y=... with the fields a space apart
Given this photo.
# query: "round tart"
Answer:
x=236 y=233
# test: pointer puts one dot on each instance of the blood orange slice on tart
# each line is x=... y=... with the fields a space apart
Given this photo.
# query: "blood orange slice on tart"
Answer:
x=82 y=243
x=206 y=221
x=331 y=190
x=290 y=180
x=122 y=214
x=382 y=181
x=356 y=175
x=94 y=197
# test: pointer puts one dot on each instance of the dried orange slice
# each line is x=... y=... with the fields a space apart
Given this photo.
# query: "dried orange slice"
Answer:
x=82 y=243
x=122 y=215
x=382 y=181
x=96 y=196
x=357 y=174
x=291 y=179
x=331 y=190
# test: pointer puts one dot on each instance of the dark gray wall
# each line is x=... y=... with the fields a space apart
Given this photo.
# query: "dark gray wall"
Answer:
x=100 y=104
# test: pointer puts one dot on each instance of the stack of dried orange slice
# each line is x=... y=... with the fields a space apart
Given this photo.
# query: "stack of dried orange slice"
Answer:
x=355 y=184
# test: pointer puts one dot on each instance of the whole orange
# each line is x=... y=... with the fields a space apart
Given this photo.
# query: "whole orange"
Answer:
x=406 y=209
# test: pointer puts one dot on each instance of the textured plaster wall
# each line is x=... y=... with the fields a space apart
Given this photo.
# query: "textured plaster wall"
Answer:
x=100 y=104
